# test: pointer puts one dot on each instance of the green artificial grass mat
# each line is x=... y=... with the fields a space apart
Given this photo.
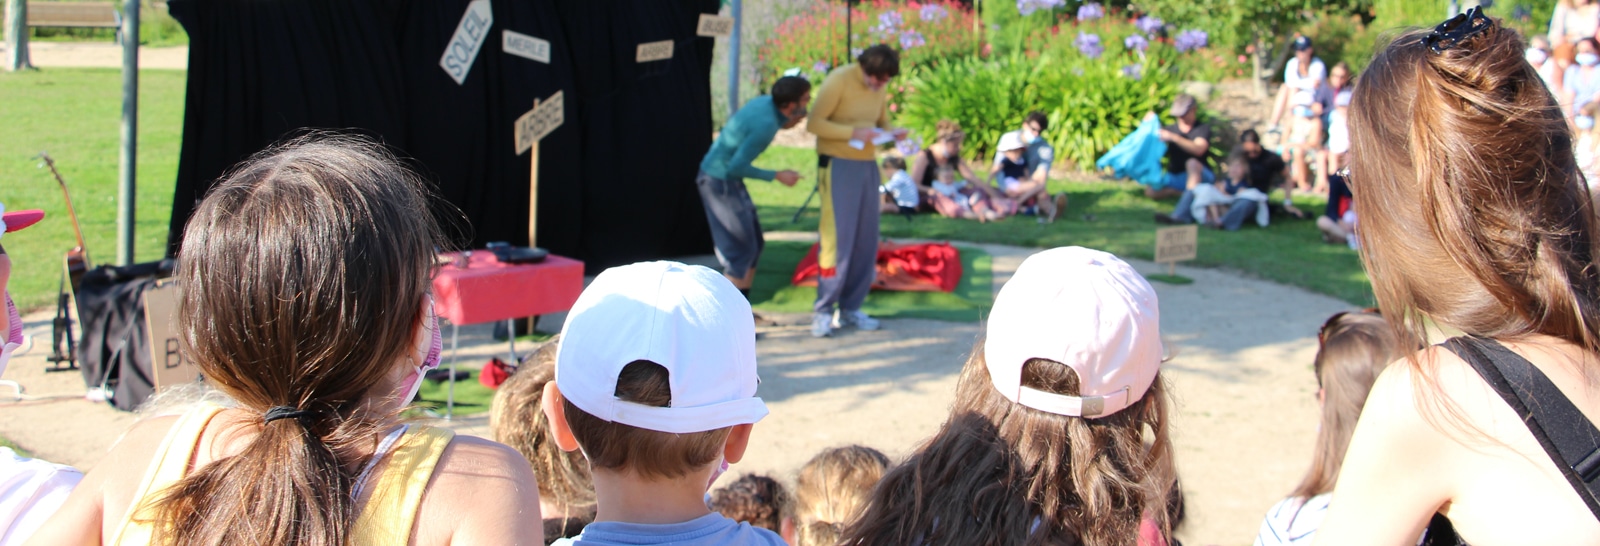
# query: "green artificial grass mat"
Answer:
x=972 y=298
x=471 y=396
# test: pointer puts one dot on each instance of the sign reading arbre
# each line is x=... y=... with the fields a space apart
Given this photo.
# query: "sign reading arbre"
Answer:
x=468 y=39
x=161 y=321
x=525 y=46
x=715 y=25
x=540 y=121
x=655 y=51
x=1177 y=244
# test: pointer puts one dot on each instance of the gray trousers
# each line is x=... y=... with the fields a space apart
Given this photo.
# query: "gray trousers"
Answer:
x=849 y=234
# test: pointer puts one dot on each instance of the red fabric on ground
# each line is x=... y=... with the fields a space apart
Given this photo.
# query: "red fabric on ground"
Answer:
x=494 y=373
x=924 y=267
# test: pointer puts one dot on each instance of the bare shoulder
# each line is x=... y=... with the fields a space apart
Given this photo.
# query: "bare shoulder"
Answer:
x=499 y=486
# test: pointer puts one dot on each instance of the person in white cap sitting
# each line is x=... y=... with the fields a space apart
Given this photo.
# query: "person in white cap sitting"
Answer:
x=1046 y=441
x=656 y=383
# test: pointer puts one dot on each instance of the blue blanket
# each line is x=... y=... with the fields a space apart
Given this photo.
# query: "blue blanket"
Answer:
x=1138 y=156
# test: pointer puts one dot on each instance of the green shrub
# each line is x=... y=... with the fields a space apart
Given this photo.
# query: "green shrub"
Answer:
x=814 y=41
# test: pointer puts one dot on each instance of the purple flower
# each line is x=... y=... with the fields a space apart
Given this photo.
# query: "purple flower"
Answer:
x=1090 y=12
x=1089 y=45
x=1148 y=24
x=888 y=22
x=910 y=39
x=1027 y=7
x=1133 y=71
x=821 y=67
x=1136 y=42
x=856 y=52
x=934 y=12
x=908 y=148
x=1189 y=40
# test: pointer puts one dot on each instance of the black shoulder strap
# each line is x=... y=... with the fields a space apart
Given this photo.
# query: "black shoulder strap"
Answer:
x=1563 y=431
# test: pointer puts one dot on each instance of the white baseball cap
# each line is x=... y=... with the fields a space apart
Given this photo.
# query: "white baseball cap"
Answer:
x=1010 y=141
x=686 y=318
x=1086 y=309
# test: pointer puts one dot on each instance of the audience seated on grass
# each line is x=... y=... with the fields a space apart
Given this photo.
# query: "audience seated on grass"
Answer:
x=1023 y=177
x=30 y=489
x=1188 y=154
x=755 y=499
x=656 y=383
x=1224 y=204
x=1475 y=221
x=566 y=493
x=305 y=277
x=831 y=492
x=1058 y=433
x=1353 y=349
x=899 y=193
x=945 y=151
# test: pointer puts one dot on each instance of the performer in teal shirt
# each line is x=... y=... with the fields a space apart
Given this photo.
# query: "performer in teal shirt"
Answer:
x=735 y=230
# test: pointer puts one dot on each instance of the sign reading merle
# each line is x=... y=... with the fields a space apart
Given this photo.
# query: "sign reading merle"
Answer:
x=715 y=25
x=655 y=51
x=540 y=121
x=525 y=46
x=468 y=39
x=1177 y=244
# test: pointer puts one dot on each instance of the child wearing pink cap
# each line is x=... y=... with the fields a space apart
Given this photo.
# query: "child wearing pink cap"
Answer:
x=1045 y=443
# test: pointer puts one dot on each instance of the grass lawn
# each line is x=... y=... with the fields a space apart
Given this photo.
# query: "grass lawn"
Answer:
x=1289 y=252
x=20 y=452
x=76 y=115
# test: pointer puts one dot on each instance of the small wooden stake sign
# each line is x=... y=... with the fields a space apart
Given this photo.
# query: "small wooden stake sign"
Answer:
x=1176 y=244
x=532 y=127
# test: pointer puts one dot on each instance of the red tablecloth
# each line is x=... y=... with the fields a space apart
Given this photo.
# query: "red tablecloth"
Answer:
x=487 y=290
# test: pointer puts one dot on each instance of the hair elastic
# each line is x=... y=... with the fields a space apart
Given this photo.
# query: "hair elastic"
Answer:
x=285 y=412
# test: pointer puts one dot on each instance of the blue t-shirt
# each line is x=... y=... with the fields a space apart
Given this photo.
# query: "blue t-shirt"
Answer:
x=747 y=134
x=1583 y=89
x=709 y=530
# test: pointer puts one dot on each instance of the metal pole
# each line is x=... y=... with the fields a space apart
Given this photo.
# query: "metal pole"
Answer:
x=128 y=159
x=17 y=36
x=733 y=57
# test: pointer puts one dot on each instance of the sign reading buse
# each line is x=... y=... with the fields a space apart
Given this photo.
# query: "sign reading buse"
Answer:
x=1176 y=244
x=468 y=39
x=714 y=25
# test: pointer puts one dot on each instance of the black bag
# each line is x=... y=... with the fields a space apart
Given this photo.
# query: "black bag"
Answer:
x=114 y=347
x=1561 y=429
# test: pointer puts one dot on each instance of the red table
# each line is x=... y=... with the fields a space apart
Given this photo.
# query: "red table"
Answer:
x=488 y=291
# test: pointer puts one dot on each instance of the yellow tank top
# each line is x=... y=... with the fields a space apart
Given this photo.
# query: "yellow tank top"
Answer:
x=386 y=519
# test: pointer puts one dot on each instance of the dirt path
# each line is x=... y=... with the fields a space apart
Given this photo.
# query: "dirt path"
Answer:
x=102 y=55
x=1243 y=421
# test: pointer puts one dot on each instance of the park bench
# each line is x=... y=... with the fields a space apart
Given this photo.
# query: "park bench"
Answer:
x=74 y=14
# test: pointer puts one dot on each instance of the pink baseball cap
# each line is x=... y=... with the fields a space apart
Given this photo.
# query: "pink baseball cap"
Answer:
x=686 y=318
x=1086 y=309
x=14 y=221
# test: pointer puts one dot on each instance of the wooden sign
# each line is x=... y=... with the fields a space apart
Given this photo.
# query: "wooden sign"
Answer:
x=1177 y=244
x=168 y=366
x=468 y=39
x=533 y=126
x=715 y=25
x=655 y=51
x=525 y=46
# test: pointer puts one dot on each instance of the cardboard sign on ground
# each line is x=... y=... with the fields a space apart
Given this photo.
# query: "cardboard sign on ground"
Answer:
x=168 y=366
x=713 y=25
x=1177 y=244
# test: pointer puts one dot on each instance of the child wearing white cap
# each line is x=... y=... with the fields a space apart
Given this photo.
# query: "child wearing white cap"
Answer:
x=1046 y=442
x=656 y=383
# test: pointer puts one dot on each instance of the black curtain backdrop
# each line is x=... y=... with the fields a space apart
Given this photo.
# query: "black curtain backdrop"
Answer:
x=616 y=180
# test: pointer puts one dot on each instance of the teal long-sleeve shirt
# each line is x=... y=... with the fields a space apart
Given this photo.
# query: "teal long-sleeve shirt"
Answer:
x=747 y=134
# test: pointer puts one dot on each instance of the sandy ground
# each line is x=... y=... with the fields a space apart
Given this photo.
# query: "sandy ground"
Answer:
x=1243 y=424
x=102 y=55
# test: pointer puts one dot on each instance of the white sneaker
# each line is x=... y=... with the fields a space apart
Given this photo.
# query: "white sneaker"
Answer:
x=821 y=325
x=855 y=318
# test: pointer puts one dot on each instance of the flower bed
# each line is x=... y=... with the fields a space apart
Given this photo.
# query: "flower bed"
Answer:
x=814 y=41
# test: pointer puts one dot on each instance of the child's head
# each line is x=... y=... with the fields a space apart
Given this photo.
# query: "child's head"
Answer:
x=1355 y=348
x=831 y=491
x=755 y=499
x=1238 y=165
x=1046 y=441
x=945 y=173
x=894 y=164
x=656 y=373
x=517 y=421
x=1011 y=145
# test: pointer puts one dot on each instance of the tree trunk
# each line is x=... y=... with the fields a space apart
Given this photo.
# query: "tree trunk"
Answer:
x=1256 y=74
x=16 y=57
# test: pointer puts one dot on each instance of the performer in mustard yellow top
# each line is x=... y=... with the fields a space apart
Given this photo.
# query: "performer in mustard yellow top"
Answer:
x=851 y=111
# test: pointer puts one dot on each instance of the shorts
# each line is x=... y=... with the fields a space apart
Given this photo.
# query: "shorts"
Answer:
x=1180 y=180
x=735 y=230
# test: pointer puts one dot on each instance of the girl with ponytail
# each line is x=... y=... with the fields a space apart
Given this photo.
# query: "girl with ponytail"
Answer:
x=305 y=278
x=1474 y=219
x=831 y=491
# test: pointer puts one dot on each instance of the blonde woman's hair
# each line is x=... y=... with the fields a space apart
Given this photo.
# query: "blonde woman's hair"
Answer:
x=948 y=130
x=831 y=491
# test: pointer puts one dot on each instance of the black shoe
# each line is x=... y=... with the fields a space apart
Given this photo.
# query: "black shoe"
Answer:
x=1162 y=218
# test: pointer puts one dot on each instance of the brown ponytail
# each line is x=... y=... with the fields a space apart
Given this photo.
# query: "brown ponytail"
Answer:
x=304 y=273
x=832 y=489
x=1473 y=211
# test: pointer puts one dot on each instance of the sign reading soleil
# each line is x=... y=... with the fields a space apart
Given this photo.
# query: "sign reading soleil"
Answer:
x=468 y=39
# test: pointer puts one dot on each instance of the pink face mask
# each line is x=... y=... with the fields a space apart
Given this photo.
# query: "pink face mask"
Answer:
x=435 y=351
